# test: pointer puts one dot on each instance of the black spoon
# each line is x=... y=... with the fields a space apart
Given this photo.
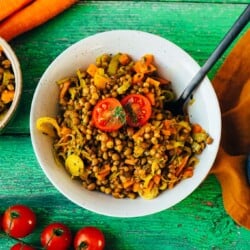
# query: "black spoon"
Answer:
x=178 y=106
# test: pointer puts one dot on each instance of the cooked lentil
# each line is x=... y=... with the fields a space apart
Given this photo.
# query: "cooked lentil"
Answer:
x=128 y=162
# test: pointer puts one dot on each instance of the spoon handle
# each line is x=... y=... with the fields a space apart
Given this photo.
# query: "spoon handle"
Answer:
x=224 y=44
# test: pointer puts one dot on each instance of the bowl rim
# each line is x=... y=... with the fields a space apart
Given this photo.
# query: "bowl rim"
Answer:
x=64 y=191
x=9 y=114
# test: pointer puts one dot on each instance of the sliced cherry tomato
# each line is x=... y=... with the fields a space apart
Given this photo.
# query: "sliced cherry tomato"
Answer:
x=89 y=238
x=138 y=109
x=108 y=115
x=18 y=221
x=22 y=246
x=56 y=236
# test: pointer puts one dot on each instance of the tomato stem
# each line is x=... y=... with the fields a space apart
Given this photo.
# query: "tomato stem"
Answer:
x=14 y=214
x=83 y=245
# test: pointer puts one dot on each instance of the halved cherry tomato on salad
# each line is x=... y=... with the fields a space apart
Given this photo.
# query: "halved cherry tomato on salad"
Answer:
x=138 y=109
x=22 y=246
x=18 y=221
x=56 y=236
x=108 y=115
x=89 y=238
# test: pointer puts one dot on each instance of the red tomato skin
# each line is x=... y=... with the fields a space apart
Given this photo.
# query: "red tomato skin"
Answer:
x=99 y=111
x=18 y=221
x=144 y=113
x=21 y=246
x=51 y=241
x=91 y=236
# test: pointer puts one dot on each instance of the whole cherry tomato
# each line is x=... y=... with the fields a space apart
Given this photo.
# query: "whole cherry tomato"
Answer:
x=56 y=236
x=18 y=221
x=89 y=238
x=108 y=115
x=138 y=109
x=22 y=246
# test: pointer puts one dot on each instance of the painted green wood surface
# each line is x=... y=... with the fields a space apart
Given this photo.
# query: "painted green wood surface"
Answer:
x=198 y=222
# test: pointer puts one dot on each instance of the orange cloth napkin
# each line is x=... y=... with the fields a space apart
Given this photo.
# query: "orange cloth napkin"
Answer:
x=19 y=16
x=232 y=85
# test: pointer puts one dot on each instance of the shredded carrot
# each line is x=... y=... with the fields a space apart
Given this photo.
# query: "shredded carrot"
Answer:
x=188 y=172
x=150 y=184
x=7 y=96
x=9 y=7
x=103 y=172
x=182 y=165
x=35 y=14
x=151 y=98
x=128 y=183
x=157 y=179
x=92 y=69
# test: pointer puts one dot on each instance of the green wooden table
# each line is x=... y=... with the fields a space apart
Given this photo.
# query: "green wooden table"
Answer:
x=199 y=221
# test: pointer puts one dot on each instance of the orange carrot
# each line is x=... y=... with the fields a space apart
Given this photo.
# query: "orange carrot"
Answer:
x=196 y=128
x=9 y=7
x=124 y=59
x=151 y=97
x=188 y=172
x=148 y=59
x=128 y=183
x=182 y=165
x=103 y=172
x=157 y=179
x=136 y=187
x=7 y=96
x=32 y=16
x=137 y=78
x=91 y=70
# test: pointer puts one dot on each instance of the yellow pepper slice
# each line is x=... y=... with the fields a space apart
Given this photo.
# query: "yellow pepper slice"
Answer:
x=74 y=165
x=47 y=125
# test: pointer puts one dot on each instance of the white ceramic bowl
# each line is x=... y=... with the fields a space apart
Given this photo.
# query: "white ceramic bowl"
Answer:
x=174 y=64
x=6 y=117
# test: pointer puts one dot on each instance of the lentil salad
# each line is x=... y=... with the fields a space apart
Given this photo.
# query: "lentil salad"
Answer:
x=129 y=161
x=7 y=82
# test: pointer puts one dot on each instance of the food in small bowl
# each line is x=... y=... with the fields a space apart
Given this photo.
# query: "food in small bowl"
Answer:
x=10 y=83
x=110 y=131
